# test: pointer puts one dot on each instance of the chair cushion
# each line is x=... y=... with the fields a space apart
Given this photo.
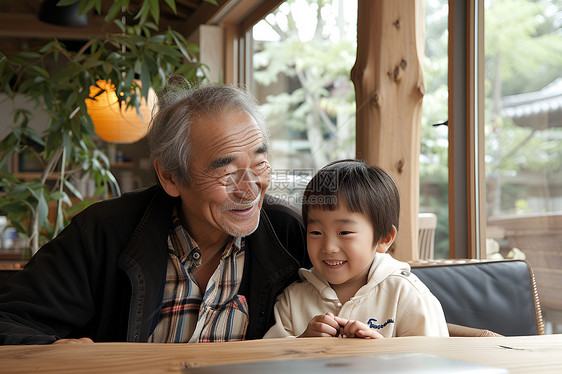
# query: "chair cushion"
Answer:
x=498 y=296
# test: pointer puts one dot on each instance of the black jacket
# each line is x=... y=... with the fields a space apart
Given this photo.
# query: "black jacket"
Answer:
x=102 y=277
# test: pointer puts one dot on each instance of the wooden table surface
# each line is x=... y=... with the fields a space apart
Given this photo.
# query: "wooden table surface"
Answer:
x=532 y=354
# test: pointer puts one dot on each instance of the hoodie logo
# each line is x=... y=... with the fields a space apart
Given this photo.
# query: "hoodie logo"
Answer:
x=373 y=323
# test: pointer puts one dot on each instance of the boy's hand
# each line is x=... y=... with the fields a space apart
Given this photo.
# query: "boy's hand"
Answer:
x=322 y=325
x=356 y=329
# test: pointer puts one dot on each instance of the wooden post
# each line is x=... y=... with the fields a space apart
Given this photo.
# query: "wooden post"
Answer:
x=389 y=90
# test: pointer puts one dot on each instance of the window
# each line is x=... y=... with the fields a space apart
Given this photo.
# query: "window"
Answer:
x=504 y=102
x=523 y=139
x=434 y=136
x=303 y=53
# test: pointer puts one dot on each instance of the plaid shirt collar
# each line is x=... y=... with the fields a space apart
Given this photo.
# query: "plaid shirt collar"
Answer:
x=189 y=314
x=187 y=250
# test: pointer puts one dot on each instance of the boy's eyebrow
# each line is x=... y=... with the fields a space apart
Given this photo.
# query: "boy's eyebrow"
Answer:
x=346 y=220
x=343 y=220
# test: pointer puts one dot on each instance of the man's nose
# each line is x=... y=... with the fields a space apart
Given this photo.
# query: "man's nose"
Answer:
x=245 y=185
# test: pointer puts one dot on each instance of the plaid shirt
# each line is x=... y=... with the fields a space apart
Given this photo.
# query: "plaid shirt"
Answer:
x=187 y=315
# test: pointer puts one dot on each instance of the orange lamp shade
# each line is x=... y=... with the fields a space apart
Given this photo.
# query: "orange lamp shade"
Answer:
x=114 y=124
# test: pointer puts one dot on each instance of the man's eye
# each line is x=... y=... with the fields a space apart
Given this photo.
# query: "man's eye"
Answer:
x=262 y=166
x=226 y=179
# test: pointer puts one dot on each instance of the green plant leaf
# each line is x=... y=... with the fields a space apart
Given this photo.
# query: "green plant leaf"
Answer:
x=154 y=10
x=143 y=12
x=113 y=11
x=120 y=24
x=85 y=6
x=74 y=191
x=42 y=208
x=66 y=2
x=29 y=55
x=172 y=5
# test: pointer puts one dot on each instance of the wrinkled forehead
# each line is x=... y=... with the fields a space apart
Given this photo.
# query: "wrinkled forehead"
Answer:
x=225 y=133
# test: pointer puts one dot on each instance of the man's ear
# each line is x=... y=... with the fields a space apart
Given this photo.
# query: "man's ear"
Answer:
x=167 y=180
x=386 y=241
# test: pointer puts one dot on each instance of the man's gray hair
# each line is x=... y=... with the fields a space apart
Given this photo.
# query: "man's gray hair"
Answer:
x=181 y=104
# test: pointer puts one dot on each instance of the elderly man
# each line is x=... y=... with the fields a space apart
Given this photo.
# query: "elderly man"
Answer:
x=200 y=257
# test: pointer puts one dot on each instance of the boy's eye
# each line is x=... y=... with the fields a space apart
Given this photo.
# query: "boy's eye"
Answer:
x=315 y=233
x=344 y=232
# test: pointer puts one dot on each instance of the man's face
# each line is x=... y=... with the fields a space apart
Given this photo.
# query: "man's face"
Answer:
x=229 y=176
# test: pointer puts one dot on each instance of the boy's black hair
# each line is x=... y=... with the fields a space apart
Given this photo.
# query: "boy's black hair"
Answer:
x=365 y=189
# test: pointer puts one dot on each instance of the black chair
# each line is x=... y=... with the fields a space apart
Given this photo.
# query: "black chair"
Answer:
x=500 y=296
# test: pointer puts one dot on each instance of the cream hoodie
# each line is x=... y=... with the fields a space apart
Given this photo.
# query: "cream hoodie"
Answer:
x=394 y=302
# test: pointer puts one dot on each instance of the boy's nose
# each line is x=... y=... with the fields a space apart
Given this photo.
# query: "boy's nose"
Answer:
x=331 y=244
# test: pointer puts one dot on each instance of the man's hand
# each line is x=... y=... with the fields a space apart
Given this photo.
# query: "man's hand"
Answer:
x=356 y=329
x=74 y=341
x=322 y=325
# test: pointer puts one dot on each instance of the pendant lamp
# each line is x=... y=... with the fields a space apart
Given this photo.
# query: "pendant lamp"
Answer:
x=116 y=124
x=67 y=15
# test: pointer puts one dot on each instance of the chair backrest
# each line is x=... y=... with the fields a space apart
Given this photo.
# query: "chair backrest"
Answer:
x=427 y=223
x=500 y=296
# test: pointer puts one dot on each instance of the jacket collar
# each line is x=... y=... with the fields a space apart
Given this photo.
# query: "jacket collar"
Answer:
x=144 y=260
x=272 y=267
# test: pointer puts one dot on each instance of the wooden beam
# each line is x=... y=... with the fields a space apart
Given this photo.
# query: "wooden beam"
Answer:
x=28 y=26
x=201 y=16
x=266 y=7
x=21 y=25
x=188 y=3
x=389 y=91
x=452 y=123
x=476 y=179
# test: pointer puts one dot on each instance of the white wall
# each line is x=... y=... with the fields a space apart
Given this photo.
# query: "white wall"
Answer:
x=7 y=109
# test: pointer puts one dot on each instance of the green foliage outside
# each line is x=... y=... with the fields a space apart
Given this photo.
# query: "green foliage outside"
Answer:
x=523 y=54
x=524 y=33
x=322 y=104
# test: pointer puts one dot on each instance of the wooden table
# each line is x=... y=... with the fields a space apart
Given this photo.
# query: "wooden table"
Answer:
x=531 y=354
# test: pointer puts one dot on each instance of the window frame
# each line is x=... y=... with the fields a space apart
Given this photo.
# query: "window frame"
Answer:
x=467 y=212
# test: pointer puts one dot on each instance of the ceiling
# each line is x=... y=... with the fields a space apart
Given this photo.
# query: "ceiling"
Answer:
x=20 y=29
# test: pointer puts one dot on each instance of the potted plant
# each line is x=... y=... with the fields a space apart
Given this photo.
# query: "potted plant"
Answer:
x=134 y=60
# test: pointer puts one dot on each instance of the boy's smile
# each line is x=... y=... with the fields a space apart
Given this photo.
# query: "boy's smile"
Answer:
x=340 y=246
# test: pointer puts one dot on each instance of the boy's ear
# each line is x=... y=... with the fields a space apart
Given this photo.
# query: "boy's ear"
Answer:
x=386 y=241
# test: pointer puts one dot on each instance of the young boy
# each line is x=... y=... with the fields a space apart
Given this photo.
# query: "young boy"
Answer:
x=355 y=289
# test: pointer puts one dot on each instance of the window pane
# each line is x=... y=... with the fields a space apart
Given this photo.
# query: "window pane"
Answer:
x=524 y=141
x=303 y=53
x=434 y=188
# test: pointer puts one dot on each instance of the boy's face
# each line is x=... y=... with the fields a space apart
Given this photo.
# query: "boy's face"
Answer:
x=340 y=245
